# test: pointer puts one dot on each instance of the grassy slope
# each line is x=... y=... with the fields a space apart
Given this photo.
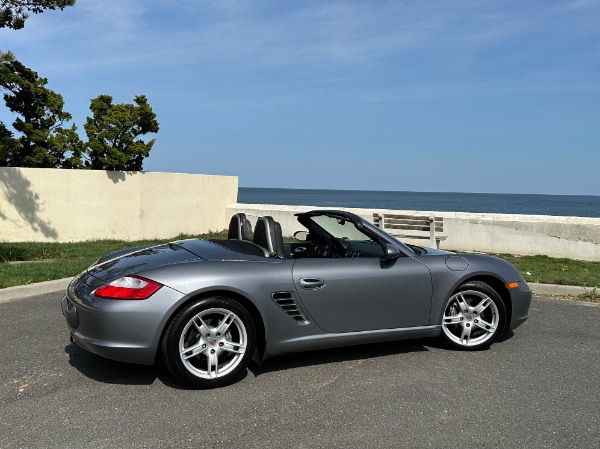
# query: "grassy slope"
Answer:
x=25 y=263
x=548 y=270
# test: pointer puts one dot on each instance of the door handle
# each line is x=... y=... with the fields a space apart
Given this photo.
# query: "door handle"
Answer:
x=311 y=283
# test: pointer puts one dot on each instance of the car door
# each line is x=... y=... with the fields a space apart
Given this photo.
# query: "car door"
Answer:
x=364 y=293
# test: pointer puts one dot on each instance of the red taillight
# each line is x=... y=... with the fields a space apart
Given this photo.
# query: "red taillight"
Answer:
x=128 y=287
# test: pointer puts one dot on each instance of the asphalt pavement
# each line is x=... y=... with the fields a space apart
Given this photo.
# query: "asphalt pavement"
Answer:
x=536 y=388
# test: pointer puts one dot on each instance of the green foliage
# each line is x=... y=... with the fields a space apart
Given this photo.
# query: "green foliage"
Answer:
x=14 y=13
x=43 y=142
x=67 y=141
x=27 y=262
x=8 y=145
x=113 y=132
x=560 y=271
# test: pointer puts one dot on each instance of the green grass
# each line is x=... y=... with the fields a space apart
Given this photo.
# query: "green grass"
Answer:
x=25 y=263
x=549 y=270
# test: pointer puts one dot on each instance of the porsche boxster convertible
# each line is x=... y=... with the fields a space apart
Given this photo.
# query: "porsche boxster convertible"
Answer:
x=207 y=308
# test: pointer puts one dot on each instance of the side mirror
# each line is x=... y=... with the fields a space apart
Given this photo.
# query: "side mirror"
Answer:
x=391 y=252
x=301 y=236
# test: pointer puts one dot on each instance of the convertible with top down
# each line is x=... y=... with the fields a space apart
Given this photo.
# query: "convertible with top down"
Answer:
x=207 y=308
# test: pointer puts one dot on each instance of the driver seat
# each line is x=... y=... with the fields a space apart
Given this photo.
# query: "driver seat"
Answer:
x=267 y=233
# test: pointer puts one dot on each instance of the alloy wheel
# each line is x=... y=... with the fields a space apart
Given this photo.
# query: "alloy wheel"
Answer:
x=213 y=343
x=471 y=318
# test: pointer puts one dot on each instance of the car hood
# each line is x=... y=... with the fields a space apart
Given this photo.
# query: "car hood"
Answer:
x=435 y=252
x=140 y=259
x=426 y=251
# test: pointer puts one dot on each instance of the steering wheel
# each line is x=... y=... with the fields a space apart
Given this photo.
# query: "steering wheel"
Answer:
x=323 y=246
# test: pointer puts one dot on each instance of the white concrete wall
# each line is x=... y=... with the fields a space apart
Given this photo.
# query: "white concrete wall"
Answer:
x=76 y=205
x=570 y=237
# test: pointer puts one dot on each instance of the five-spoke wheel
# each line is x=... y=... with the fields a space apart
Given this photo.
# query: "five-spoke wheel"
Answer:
x=209 y=343
x=474 y=316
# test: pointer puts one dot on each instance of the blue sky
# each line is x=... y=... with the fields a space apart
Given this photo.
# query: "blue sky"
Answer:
x=463 y=96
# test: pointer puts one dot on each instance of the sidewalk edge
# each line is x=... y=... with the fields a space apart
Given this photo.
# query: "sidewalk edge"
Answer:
x=39 y=288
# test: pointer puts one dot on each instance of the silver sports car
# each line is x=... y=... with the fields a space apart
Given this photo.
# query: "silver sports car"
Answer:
x=208 y=308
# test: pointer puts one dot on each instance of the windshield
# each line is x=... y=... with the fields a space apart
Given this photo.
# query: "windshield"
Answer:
x=400 y=244
x=340 y=228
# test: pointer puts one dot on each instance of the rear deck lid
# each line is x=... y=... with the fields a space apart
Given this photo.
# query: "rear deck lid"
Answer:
x=138 y=261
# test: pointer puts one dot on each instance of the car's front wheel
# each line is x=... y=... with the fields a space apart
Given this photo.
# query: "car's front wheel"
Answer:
x=474 y=317
x=209 y=343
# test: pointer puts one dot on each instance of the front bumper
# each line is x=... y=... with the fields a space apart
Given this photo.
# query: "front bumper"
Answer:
x=520 y=301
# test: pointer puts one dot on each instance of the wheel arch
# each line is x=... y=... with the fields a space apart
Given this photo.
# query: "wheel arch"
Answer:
x=498 y=286
x=247 y=303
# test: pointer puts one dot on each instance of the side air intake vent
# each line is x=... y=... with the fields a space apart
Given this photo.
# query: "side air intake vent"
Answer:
x=287 y=303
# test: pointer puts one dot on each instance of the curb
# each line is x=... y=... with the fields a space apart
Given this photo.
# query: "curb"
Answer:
x=558 y=290
x=40 y=288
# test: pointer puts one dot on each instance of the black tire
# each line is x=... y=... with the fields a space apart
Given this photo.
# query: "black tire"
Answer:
x=209 y=343
x=474 y=317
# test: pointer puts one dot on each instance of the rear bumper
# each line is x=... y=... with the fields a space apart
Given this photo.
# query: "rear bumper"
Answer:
x=124 y=348
x=127 y=331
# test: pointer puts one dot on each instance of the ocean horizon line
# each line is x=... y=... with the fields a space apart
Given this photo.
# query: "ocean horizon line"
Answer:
x=417 y=191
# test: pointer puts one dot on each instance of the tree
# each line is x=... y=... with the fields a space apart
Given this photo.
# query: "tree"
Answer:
x=8 y=145
x=13 y=13
x=112 y=132
x=67 y=141
x=43 y=141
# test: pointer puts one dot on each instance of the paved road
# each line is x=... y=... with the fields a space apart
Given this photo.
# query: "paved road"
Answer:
x=537 y=388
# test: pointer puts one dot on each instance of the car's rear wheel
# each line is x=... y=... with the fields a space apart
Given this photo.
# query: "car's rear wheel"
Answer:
x=209 y=343
x=474 y=317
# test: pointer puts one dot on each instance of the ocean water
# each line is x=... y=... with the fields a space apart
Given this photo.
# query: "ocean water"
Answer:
x=531 y=204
